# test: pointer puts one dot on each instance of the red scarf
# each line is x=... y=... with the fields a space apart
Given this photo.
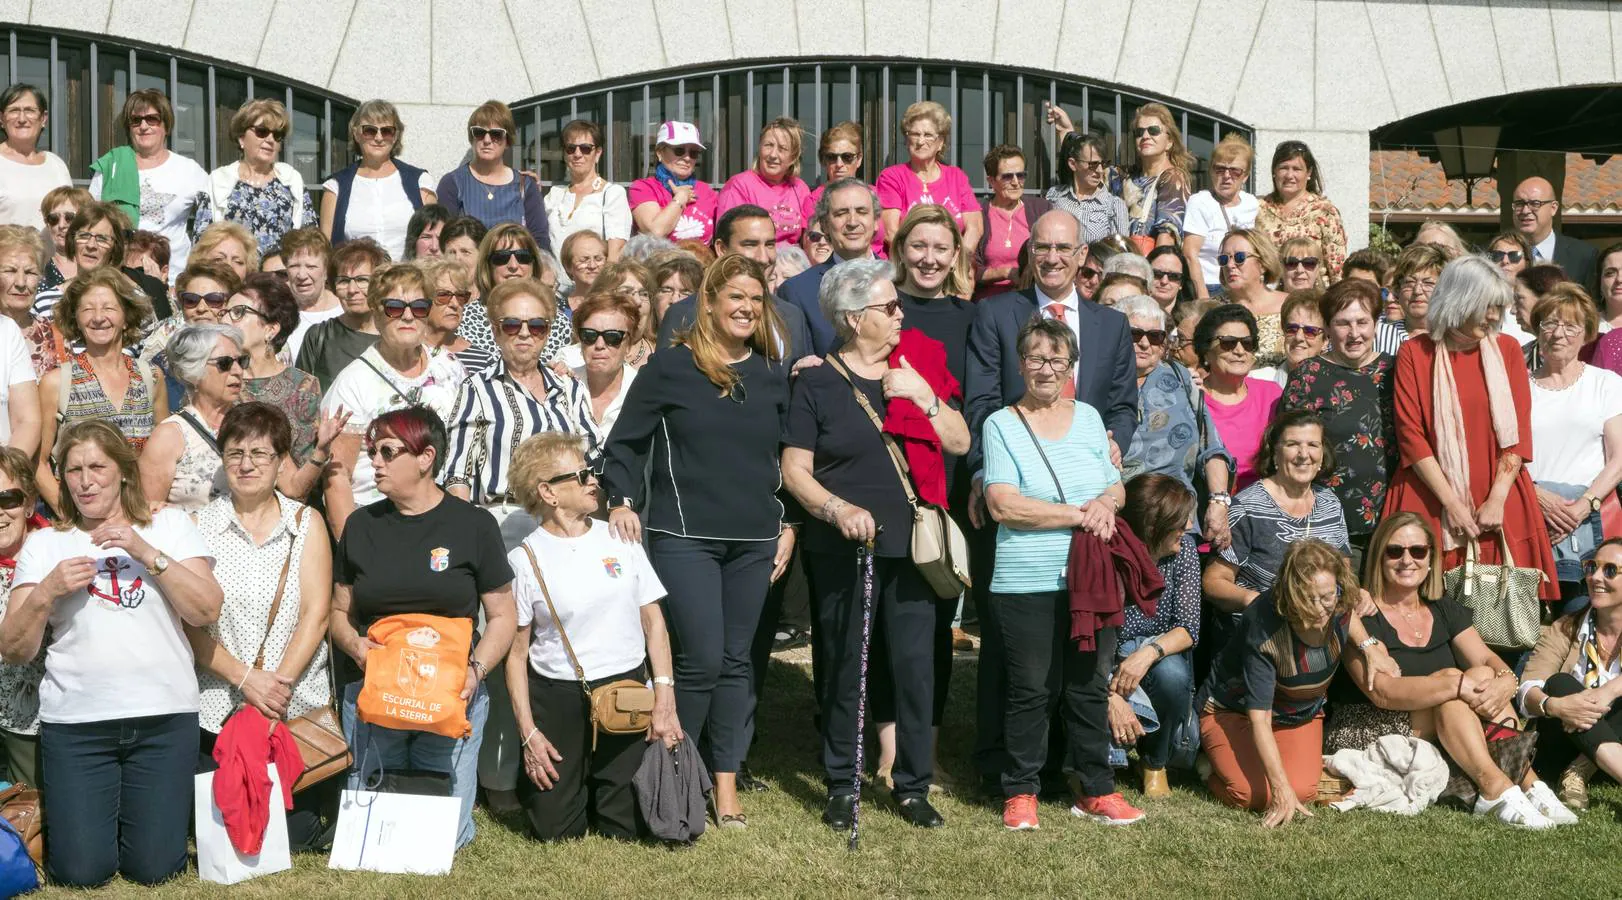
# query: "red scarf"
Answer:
x=908 y=424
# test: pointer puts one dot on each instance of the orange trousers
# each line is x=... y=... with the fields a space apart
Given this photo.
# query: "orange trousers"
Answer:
x=1237 y=776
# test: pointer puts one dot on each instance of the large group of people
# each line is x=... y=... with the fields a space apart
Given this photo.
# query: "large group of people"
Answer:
x=1201 y=454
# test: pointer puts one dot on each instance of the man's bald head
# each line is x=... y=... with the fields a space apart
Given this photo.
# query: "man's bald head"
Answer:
x=1533 y=208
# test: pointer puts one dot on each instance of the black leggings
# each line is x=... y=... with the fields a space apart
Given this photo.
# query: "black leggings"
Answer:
x=1608 y=730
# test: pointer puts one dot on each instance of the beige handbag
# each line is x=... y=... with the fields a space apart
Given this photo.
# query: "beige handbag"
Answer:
x=1503 y=598
x=939 y=549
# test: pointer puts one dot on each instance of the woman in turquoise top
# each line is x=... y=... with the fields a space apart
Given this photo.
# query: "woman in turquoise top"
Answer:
x=1048 y=472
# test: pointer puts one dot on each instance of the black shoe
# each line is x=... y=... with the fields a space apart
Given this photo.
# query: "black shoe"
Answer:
x=791 y=638
x=838 y=813
x=917 y=811
x=748 y=782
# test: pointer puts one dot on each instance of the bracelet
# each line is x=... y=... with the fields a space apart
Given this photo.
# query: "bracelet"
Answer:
x=1367 y=642
x=532 y=732
x=1159 y=650
x=1459 y=694
x=829 y=508
x=480 y=668
x=245 y=674
x=1502 y=672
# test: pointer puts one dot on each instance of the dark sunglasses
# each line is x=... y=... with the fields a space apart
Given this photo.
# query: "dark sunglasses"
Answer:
x=686 y=152
x=214 y=299
x=395 y=308
x=445 y=298
x=888 y=309
x=1306 y=262
x=1311 y=331
x=12 y=498
x=389 y=452
x=1238 y=257
x=538 y=327
x=59 y=218
x=1501 y=256
x=613 y=337
x=1089 y=273
x=1420 y=552
x=384 y=131
x=1229 y=342
x=479 y=133
x=1168 y=276
x=1010 y=177
x=816 y=237
x=578 y=149
x=224 y=363
x=1150 y=130
x=261 y=132
x=583 y=476
x=501 y=257
x=1156 y=336
x=848 y=159
x=150 y=120
x=1609 y=570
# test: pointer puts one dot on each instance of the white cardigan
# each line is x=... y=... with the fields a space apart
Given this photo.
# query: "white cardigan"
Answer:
x=221 y=181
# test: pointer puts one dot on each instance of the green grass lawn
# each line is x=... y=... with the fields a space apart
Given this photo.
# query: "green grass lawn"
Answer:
x=1187 y=847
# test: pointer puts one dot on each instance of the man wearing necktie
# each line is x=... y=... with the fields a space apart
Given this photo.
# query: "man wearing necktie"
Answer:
x=1533 y=209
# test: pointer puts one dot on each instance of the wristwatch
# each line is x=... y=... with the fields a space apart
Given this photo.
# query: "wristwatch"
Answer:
x=665 y=680
x=479 y=667
x=934 y=408
x=1368 y=642
x=160 y=564
x=1222 y=497
x=1593 y=503
x=621 y=502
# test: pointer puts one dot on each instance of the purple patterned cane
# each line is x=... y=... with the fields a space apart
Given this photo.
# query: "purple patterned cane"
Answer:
x=864 y=560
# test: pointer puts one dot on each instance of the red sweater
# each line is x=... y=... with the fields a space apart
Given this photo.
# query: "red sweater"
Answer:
x=242 y=784
x=1102 y=576
x=908 y=424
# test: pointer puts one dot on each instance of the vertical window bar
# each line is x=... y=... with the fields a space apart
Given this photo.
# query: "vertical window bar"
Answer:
x=681 y=100
x=855 y=93
x=608 y=135
x=1019 y=112
x=95 y=91
x=642 y=148
x=1086 y=123
x=250 y=90
x=817 y=90
x=326 y=145
x=13 y=58
x=884 y=117
x=749 y=103
x=287 y=143
x=129 y=86
x=574 y=106
x=535 y=115
x=918 y=82
x=985 y=106
x=788 y=99
x=211 y=116
x=1120 y=128
x=715 y=119
x=53 y=90
x=957 y=133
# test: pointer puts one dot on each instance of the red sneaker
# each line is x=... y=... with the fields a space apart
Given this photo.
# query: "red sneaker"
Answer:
x=1019 y=813
x=1111 y=809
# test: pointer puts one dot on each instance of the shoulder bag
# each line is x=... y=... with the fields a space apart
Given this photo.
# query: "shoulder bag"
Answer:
x=939 y=549
x=1503 y=598
x=20 y=807
x=619 y=707
x=320 y=737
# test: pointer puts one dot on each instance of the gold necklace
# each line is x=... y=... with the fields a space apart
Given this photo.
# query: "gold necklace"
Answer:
x=1414 y=626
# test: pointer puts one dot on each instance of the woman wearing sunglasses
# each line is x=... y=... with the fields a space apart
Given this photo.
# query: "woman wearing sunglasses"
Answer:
x=1297 y=208
x=488 y=189
x=1213 y=213
x=1452 y=691
x=1156 y=186
x=180 y=464
x=453 y=291
x=376 y=195
x=633 y=281
x=1170 y=284
x=507 y=253
x=587 y=200
x=396 y=372
x=675 y=202
x=1240 y=406
x=20 y=682
x=1082 y=182
x=1302 y=259
x=1304 y=332
x=264 y=311
x=158 y=190
x=1570 y=684
x=201 y=294
x=1250 y=268
x=605 y=326
x=58 y=209
x=260 y=192
x=1350 y=386
x=1009 y=217
x=1176 y=435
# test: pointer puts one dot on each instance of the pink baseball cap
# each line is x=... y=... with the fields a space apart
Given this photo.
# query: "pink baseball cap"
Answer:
x=677 y=134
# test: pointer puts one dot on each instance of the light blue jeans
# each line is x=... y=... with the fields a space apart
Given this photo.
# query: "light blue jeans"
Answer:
x=378 y=749
x=1164 y=703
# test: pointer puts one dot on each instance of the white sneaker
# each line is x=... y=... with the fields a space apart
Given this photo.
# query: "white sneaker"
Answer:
x=1549 y=804
x=1513 y=808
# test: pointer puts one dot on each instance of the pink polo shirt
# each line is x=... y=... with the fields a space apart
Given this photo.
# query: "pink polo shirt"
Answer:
x=783 y=200
x=900 y=188
x=697 y=222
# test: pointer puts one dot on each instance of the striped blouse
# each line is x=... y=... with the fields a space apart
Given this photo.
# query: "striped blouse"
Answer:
x=87 y=400
x=493 y=415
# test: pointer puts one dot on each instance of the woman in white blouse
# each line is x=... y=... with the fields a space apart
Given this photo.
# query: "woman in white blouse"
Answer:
x=159 y=190
x=27 y=173
x=376 y=195
x=588 y=201
x=180 y=464
x=270 y=553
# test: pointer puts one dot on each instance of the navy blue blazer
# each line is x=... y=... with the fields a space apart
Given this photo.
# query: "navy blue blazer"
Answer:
x=802 y=291
x=1106 y=370
x=680 y=316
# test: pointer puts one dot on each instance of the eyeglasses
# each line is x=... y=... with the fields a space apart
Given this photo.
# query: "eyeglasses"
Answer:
x=1056 y=363
x=1237 y=257
x=59 y=218
x=261 y=132
x=386 y=132
x=848 y=159
x=1533 y=205
x=1503 y=256
x=1228 y=343
x=1420 y=552
x=446 y=298
x=1228 y=171
x=1046 y=249
x=1417 y=286
x=635 y=293
x=1303 y=262
x=1010 y=177
x=1313 y=332
x=1150 y=130
x=214 y=299
x=1609 y=570
x=242 y=311
x=815 y=237
x=1554 y=327
x=22 y=112
x=150 y=120
x=389 y=452
x=613 y=337
x=395 y=308
x=889 y=309
x=668 y=291
x=478 y=133
x=1155 y=336
x=224 y=363
x=686 y=152
x=922 y=137
x=1091 y=165
x=537 y=327
x=502 y=257
x=12 y=498
x=1088 y=273
x=360 y=281
x=583 y=476
x=90 y=237
x=259 y=457
x=578 y=149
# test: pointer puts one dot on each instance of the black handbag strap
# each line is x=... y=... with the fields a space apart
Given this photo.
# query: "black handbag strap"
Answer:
x=197 y=426
x=896 y=458
x=1039 y=451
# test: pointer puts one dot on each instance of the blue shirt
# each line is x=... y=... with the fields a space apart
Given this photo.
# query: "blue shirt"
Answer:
x=1034 y=561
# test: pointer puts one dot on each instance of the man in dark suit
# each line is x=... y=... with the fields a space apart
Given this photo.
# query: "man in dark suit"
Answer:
x=848 y=212
x=1106 y=379
x=746 y=230
x=1533 y=208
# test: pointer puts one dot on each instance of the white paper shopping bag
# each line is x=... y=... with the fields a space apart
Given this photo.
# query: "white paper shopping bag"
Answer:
x=217 y=860
x=400 y=833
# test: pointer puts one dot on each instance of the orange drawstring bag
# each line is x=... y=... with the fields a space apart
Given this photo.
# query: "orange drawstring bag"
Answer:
x=414 y=681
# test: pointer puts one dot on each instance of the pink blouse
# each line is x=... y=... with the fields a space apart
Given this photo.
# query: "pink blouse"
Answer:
x=783 y=200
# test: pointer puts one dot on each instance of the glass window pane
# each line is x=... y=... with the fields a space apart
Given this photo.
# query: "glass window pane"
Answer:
x=342 y=153
x=804 y=82
x=72 y=117
x=1033 y=137
x=663 y=106
x=549 y=141
x=152 y=72
x=230 y=92
x=700 y=111
x=628 y=127
x=836 y=106
x=190 y=135
x=970 y=128
x=1102 y=105
x=875 y=122
x=34 y=67
x=903 y=93
x=525 y=150
x=113 y=73
x=308 y=132
x=770 y=99
x=938 y=87
x=1004 y=114
x=735 y=139
x=592 y=108
x=1198 y=140
x=1071 y=101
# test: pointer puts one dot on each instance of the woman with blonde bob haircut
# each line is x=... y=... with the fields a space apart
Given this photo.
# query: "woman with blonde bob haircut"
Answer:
x=261 y=192
x=926 y=130
x=392 y=191
x=772 y=182
x=485 y=187
x=228 y=243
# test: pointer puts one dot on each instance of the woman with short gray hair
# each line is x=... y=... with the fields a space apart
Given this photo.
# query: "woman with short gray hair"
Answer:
x=837 y=464
x=181 y=461
x=1464 y=429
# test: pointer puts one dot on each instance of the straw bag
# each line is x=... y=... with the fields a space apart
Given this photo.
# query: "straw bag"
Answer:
x=939 y=549
x=1503 y=598
x=619 y=707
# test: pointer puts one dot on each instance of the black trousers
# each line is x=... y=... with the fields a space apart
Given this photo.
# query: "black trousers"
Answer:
x=990 y=756
x=593 y=787
x=1608 y=730
x=788 y=602
x=1043 y=670
x=904 y=613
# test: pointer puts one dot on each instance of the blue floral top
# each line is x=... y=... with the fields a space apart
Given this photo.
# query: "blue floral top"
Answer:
x=266 y=210
x=1167 y=440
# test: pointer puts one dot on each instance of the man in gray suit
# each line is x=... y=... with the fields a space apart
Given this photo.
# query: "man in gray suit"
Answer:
x=1533 y=208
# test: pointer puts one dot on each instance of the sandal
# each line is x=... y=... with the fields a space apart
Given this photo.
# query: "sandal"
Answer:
x=739 y=821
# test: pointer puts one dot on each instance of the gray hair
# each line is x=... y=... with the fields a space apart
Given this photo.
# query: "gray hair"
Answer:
x=1052 y=329
x=188 y=351
x=820 y=215
x=642 y=246
x=1141 y=305
x=1131 y=264
x=791 y=261
x=848 y=287
x=1467 y=288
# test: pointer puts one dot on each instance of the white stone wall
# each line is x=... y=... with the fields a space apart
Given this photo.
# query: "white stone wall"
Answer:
x=1322 y=71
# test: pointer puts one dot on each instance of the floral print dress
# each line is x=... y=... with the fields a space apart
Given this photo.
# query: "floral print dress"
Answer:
x=1357 y=407
x=267 y=210
x=1314 y=217
x=1154 y=204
